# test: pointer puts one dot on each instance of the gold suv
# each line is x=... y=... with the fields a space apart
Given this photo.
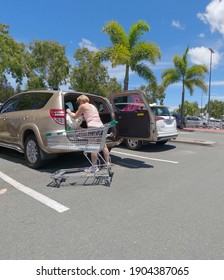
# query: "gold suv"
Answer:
x=27 y=117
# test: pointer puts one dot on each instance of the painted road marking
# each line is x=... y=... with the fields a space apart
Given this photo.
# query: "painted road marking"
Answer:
x=34 y=194
x=154 y=159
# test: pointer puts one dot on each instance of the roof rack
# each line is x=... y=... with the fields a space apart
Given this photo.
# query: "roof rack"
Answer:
x=46 y=88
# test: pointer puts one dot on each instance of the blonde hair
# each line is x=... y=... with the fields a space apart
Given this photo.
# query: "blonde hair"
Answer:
x=83 y=98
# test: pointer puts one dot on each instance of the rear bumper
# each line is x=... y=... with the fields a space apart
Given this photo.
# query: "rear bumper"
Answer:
x=164 y=136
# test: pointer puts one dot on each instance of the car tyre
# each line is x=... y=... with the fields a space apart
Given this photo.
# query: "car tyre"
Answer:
x=133 y=144
x=34 y=156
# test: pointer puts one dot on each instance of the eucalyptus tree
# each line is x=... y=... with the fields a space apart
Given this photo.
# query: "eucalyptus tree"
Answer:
x=190 y=77
x=190 y=109
x=216 y=109
x=129 y=50
x=90 y=75
x=155 y=93
x=11 y=55
x=47 y=64
x=6 y=90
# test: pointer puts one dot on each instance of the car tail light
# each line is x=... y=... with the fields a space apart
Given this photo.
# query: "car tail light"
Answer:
x=159 y=118
x=58 y=116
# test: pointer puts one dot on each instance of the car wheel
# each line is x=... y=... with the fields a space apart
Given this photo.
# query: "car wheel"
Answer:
x=162 y=142
x=33 y=152
x=133 y=144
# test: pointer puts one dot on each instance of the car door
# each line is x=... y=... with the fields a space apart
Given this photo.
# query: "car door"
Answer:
x=8 y=119
x=135 y=118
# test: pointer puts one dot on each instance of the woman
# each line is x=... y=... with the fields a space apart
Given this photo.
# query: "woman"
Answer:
x=93 y=120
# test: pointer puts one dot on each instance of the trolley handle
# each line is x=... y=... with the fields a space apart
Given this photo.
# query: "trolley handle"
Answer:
x=110 y=124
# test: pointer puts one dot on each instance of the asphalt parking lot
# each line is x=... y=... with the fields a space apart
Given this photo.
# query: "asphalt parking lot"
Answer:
x=163 y=203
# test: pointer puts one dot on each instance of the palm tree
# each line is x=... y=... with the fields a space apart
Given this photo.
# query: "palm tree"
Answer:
x=189 y=76
x=128 y=50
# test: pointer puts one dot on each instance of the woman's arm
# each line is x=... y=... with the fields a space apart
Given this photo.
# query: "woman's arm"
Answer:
x=78 y=113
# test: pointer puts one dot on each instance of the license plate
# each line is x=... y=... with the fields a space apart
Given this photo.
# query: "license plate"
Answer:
x=169 y=121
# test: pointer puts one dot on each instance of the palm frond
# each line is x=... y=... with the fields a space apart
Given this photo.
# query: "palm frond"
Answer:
x=145 y=72
x=180 y=65
x=196 y=71
x=104 y=54
x=169 y=76
x=119 y=55
x=136 y=32
x=145 y=51
x=116 y=33
x=190 y=86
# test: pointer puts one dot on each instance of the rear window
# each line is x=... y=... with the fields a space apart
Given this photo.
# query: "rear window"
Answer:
x=161 y=111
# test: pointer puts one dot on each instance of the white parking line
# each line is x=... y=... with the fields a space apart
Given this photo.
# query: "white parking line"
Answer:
x=154 y=159
x=38 y=196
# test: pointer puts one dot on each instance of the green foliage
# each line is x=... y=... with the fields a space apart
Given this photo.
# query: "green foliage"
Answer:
x=155 y=93
x=216 y=109
x=89 y=75
x=128 y=50
x=47 y=64
x=6 y=90
x=190 y=109
x=11 y=55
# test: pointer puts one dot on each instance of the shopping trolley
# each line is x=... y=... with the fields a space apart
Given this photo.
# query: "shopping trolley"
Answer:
x=88 y=140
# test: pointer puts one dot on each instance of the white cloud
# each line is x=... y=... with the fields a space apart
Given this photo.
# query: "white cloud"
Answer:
x=201 y=35
x=213 y=16
x=177 y=24
x=218 y=83
x=202 y=55
x=87 y=44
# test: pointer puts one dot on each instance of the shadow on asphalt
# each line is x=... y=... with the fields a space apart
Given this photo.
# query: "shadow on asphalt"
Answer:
x=72 y=160
x=78 y=160
x=153 y=148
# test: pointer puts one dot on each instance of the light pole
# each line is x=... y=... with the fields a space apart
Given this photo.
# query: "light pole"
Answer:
x=209 y=85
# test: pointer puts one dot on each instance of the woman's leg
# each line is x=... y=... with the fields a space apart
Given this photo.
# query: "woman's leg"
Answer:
x=106 y=154
x=94 y=158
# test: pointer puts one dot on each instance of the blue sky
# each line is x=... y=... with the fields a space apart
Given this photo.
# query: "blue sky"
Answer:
x=174 y=25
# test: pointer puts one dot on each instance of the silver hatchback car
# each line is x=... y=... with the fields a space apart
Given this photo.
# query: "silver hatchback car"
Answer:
x=166 y=128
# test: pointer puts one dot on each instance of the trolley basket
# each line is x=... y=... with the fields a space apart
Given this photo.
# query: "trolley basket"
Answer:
x=88 y=140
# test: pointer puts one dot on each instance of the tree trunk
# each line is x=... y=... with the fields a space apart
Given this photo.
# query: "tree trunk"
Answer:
x=182 y=108
x=126 y=78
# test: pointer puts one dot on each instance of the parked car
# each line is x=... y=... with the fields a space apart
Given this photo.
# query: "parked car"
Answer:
x=178 y=120
x=166 y=128
x=194 y=121
x=26 y=117
x=215 y=123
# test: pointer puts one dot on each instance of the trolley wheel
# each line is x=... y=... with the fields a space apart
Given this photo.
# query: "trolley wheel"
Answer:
x=57 y=182
x=107 y=181
x=54 y=184
x=109 y=178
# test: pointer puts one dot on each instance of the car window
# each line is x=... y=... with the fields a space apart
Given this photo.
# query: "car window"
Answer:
x=129 y=103
x=33 y=100
x=10 y=106
x=27 y=101
x=100 y=106
x=161 y=111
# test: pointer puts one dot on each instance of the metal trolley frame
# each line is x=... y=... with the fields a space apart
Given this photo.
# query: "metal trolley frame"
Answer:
x=88 y=140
